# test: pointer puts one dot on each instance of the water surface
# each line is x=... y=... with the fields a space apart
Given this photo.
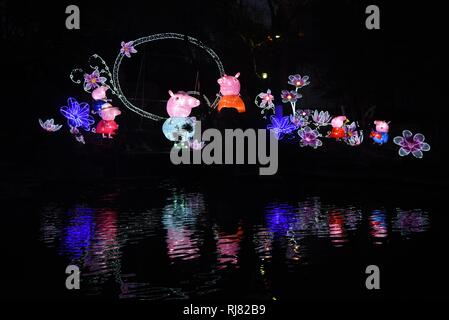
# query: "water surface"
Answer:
x=166 y=242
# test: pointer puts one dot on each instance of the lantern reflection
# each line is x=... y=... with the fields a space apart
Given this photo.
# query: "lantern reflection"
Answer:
x=337 y=232
x=408 y=222
x=292 y=226
x=228 y=247
x=179 y=219
x=87 y=237
x=105 y=252
x=378 y=226
x=78 y=234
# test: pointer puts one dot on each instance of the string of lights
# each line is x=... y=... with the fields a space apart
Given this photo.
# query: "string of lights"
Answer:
x=157 y=37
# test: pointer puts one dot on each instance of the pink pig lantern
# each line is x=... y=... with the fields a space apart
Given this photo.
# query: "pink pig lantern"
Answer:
x=107 y=126
x=338 y=132
x=100 y=93
x=380 y=135
x=230 y=89
x=181 y=104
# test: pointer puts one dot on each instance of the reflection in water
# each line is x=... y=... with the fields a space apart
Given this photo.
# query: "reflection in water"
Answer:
x=337 y=231
x=411 y=221
x=290 y=225
x=228 y=246
x=109 y=244
x=78 y=233
x=179 y=219
x=378 y=226
x=263 y=242
x=105 y=259
x=88 y=238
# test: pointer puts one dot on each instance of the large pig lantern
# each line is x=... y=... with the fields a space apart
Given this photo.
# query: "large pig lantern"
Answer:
x=230 y=90
x=180 y=128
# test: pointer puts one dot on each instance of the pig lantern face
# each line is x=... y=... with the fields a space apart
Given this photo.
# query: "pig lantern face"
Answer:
x=381 y=126
x=99 y=93
x=338 y=122
x=180 y=104
x=109 y=112
x=229 y=85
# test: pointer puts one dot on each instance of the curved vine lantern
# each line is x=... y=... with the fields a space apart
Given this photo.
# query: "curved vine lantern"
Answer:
x=102 y=75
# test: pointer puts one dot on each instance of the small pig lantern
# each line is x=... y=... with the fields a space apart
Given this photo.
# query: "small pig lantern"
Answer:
x=380 y=134
x=180 y=104
x=107 y=126
x=338 y=130
x=230 y=90
x=99 y=95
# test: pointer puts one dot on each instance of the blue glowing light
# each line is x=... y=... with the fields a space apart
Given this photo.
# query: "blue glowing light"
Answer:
x=280 y=218
x=77 y=114
x=281 y=126
x=79 y=232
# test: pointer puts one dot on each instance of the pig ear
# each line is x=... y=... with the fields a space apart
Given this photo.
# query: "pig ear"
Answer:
x=170 y=93
x=237 y=75
x=375 y=122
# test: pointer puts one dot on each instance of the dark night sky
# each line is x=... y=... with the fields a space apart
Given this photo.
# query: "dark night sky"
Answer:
x=400 y=69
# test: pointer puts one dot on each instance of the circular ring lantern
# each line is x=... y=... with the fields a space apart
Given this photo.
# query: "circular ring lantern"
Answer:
x=155 y=37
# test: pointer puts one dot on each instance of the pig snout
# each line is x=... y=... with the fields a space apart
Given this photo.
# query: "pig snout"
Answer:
x=192 y=102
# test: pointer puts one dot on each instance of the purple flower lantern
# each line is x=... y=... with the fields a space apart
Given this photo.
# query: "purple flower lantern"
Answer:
x=410 y=143
x=127 y=48
x=298 y=81
x=309 y=138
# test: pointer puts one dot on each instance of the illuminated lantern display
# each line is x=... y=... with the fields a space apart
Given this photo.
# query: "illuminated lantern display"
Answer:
x=338 y=131
x=291 y=97
x=411 y=144
x=354 y=136
x=100 y=93
x=321 y=118
x=181 y=104
x=77 y=114
x=266 y=101
x=180 y=130
x=281 y=126
x=230 y=90
x=196 y=145
x=49 y=125
x=107 y=126
x=98 y=105
x=380 y=135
